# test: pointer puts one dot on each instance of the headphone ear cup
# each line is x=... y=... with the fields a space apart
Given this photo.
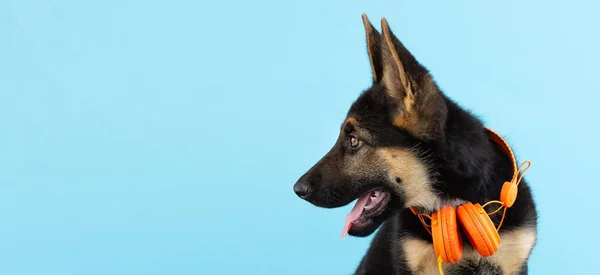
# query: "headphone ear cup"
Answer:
x=447 y=241
x=454 y=244
x=479 y=228
x=438 y=237
x=488 y=226
x=508 y=194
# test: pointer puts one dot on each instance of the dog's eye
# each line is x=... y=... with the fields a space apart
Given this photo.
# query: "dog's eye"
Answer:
x=354 y=142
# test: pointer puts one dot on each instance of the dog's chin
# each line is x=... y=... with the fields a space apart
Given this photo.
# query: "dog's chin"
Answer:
x=366 y=227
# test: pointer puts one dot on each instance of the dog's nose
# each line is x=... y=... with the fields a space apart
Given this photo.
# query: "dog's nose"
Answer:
x=301 y=189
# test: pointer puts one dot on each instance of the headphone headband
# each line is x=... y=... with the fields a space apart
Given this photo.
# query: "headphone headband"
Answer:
x=497 y=138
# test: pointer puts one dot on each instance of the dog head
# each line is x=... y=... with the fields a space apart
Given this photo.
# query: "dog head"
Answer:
x=384 y=154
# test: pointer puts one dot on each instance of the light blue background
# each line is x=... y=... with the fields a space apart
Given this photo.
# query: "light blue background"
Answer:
x=147 y=137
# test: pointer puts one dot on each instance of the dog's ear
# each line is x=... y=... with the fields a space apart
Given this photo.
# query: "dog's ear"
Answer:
x=373 y=48
x=417 y=105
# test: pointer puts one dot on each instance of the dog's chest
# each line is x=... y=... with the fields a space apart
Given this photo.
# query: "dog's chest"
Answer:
x=513 y=251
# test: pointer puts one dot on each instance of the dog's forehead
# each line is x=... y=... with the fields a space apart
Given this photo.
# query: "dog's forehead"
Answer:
x=366 y=101
x=368 y=111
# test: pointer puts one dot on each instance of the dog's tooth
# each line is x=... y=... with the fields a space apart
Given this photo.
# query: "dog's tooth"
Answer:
x=368 y=204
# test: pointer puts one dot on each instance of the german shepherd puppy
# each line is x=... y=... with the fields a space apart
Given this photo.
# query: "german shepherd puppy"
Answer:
x=405 y=144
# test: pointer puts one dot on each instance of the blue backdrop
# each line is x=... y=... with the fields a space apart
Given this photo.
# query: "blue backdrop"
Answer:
x=157 y=137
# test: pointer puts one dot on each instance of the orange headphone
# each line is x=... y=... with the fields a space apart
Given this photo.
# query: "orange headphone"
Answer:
x=473 y=218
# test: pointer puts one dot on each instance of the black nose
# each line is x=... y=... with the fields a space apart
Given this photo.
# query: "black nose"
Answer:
x=301 y=189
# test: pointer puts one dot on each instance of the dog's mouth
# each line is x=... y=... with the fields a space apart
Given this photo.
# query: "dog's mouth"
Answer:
x=367 y=209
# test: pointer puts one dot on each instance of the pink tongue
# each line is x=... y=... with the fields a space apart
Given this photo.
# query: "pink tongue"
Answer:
x=358 y=208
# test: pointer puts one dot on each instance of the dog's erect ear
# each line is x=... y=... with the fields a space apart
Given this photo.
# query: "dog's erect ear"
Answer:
x=373 y=48
x=417 y=104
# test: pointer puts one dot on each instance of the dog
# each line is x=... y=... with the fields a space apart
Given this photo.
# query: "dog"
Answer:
x=405 y=151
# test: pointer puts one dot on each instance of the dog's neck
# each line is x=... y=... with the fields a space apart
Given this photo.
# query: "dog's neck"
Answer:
x=471 y=166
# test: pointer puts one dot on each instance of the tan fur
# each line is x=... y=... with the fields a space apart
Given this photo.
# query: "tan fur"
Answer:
x=416 y=183
x=399 y=121
x=420 y=256
x=385 y=28
x=512 y=253
x=362 y=134
x=369 y=31
x=408 y=119
x=418 y=116
x=408 y=116
x=514 y=249
x=351 y=120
